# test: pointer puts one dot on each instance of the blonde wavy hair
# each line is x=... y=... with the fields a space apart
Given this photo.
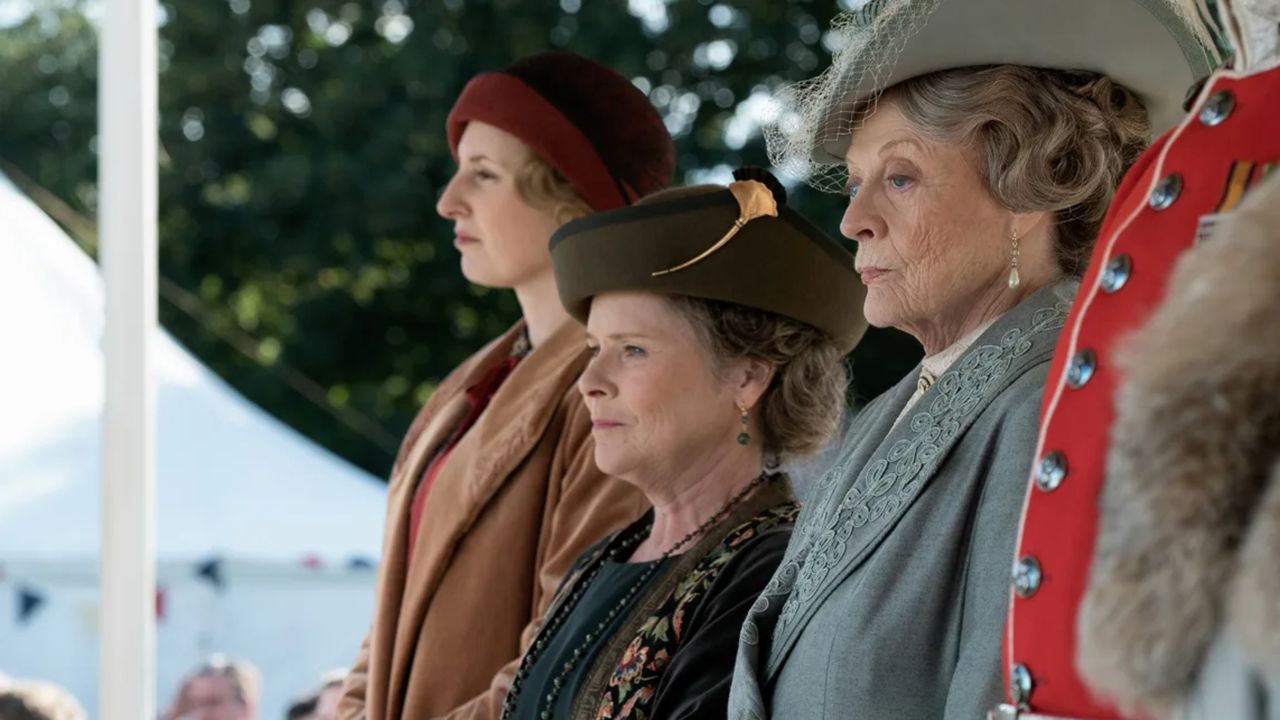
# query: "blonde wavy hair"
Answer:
x=542 y=187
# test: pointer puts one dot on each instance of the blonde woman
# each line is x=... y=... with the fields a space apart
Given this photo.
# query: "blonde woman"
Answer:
x=495 y=492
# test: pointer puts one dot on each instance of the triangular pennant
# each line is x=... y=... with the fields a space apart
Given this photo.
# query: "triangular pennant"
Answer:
x=211 y=570
x=30 y=601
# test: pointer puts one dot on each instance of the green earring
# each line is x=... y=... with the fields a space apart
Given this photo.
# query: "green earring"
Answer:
x=744 y=438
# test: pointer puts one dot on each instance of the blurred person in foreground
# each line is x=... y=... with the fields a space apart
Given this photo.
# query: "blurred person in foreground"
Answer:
x=330 y=694
x=495 y=491
x=221 y=689
x=32 y=700
x=321 y=703
x=1161 y=532
x=303 y=708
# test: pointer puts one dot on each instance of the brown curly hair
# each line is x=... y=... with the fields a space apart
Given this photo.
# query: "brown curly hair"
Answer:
x=1047 y=140
x=802 y=407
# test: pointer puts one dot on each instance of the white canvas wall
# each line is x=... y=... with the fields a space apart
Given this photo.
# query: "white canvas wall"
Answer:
x=232 y=482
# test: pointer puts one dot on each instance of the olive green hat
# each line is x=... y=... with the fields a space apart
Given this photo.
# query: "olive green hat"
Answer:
x=740 y=244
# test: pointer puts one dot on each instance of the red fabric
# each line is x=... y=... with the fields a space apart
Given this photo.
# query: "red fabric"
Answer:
x=508 y=104
x=1059 y=527
x=478 y=396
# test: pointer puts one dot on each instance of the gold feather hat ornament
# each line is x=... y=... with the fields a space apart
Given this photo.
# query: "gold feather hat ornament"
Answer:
x=739 y=243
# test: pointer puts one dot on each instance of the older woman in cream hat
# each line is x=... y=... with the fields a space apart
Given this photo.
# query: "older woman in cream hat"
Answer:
x=979 y=143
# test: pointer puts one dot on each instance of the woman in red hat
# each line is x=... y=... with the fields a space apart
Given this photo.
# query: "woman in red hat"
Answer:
x=494 y=491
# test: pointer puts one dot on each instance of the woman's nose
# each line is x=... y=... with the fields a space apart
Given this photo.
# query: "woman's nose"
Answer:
x=591 y=382
x=449 y=204
x=860 y=222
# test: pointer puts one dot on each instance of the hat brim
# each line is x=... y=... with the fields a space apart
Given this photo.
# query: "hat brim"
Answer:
x=1141 y=44
x=782 y=265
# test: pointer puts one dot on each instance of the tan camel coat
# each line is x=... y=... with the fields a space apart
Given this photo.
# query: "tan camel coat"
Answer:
x=516 y=501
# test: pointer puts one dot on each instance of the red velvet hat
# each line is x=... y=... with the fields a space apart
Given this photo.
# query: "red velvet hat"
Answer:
x=587 y=121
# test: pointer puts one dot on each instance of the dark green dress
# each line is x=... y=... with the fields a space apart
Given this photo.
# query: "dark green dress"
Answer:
x=602 y=595
x=670 y=653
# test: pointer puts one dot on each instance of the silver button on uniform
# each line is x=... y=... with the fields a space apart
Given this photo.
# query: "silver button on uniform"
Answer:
x=1003 y=711
x=1116 y=273
x=1026 y=576
x=1167 y=190
x=1050 y=471
x=1217 y=108
x=1081 y=368
x=1020 y=684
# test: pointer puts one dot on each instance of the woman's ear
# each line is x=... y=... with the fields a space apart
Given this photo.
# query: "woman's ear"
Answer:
x=1032 y=224
x=752 y=377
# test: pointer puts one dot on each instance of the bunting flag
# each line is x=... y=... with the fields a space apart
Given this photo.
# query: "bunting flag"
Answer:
x=211 y=570
x=30 y=601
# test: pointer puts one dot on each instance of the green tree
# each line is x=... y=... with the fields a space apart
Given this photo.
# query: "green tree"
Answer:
x=303 y=147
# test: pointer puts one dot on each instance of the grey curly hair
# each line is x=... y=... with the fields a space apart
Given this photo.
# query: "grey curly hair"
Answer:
x=1046 y=140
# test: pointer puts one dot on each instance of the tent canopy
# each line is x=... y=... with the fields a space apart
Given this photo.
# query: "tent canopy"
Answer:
x=231 y=480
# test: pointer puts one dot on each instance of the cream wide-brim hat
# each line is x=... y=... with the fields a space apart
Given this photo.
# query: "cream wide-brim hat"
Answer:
x=1157 y=49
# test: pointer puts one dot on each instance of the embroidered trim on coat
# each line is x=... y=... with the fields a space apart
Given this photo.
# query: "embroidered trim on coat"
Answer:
x=887 y=484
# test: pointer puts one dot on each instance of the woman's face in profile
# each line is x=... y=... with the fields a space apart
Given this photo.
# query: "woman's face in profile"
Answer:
x=932 y=241
x=502 y=239
x=656 y=405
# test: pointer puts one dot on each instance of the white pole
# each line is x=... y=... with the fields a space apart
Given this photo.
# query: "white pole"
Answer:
x=127 y=128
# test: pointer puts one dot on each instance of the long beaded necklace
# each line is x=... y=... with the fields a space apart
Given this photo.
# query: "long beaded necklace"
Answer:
x=621 y=550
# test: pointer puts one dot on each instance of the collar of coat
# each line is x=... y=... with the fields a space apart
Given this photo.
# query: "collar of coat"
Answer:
x=1190 y=514
x=773 y=494
x=547 y=371
x=529 y=398
x=860 y=499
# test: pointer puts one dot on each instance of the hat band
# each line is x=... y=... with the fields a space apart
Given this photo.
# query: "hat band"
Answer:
x=508 y=104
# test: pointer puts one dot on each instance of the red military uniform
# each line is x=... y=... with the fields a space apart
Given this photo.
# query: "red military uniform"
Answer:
x=1166 y=204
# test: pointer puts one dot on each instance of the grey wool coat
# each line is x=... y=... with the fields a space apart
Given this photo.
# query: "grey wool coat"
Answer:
x=890 y=601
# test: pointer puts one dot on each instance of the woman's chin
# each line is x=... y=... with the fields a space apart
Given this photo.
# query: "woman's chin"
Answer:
x=611 y=464
x=478 y=272
x=879 y=314
x=472 y=273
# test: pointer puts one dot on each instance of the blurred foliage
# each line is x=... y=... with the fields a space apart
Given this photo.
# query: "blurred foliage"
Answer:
x=302 y=148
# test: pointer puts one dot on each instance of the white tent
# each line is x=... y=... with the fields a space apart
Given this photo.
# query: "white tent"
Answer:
x=264 y=540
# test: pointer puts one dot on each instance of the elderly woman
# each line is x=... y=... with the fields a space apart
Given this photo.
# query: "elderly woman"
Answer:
x=978 y=173
x=717 y=320
x=494 y=493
